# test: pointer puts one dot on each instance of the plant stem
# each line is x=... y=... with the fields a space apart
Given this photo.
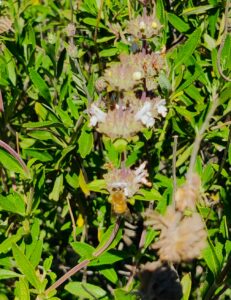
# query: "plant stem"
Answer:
x=175 y=137
x=15 y=154
x=200 y=133
x=84 y=263
x=226 y=16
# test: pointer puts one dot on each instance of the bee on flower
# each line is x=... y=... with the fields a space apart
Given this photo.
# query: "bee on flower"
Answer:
x=123 y=184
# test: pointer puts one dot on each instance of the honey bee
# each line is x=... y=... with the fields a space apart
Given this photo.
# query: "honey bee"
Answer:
x=118 y=202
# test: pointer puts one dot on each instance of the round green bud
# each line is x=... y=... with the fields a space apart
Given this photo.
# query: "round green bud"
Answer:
x=120 y=145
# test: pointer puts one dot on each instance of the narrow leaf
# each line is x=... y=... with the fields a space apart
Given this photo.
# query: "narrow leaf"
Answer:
x=188 y=48
x=26 y=267
x=40 y=84
x=85 y=290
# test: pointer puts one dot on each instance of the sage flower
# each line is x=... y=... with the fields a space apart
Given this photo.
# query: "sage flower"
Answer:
x=143 y=27
x=127 y=180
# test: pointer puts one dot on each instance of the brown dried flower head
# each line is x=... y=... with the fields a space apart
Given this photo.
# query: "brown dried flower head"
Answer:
x=182 y=238
x=187 y=195
x=143 y=27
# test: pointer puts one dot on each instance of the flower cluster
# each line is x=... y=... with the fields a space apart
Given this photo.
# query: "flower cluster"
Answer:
x=127 y=118
x=131 y=70
x=126 y=179
x=143 y=27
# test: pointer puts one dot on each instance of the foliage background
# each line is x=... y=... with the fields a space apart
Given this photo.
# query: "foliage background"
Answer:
x=46 y=87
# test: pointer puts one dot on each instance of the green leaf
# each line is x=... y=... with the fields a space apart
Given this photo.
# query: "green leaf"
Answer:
x=186 y=284
x=5 y=246
x=5 y=274
x=184 y=156
x=197 y=10
x=149 y=238
x=178 y=23
x=93 y=22
x=85 y=290
x=26 y=267
x=106 y=237
x=42 y=124
x=10 y=163
x=40 y=84
x=37 y=253
x=64 y=116
x=41 y=155
x=10 y=65
x=188 y=48
x=85 y=143
x=72 y=180
x=107 y=258
x=83 y=249
x=83 y=185
x=120 y=294
x=148 y=195
x=211 y=258
x=110 y=274
x=57 y=188
x=98 y=185
x=13 y=203
x=160 y=12
x=108 y=52
x=22 y=289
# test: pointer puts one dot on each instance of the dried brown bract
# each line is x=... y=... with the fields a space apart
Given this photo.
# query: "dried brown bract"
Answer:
x=187 y=195
x=182 y=238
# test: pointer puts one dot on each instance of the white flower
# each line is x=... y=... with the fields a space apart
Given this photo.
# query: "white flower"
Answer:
x=97 y=115
x=161 y=108
x=137 y=75
x=145 y=115
x=142 y=25
x=141 y=174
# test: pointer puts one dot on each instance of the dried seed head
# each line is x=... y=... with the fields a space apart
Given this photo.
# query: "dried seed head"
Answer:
x=187 y=195
x=182 y=238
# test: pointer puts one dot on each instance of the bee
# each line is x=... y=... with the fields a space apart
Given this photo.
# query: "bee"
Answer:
x=119 y=202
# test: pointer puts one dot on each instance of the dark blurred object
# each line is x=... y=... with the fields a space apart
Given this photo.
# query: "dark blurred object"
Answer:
x=159 y=282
